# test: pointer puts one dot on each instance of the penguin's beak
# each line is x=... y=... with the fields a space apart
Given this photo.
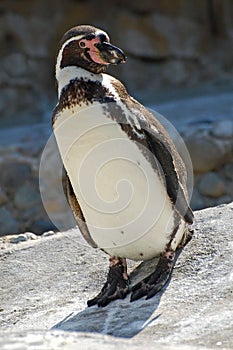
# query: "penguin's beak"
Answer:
x=110 y=54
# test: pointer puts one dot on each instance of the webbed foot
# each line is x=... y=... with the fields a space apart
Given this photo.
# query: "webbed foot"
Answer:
x=153 y=283
x=116 y=286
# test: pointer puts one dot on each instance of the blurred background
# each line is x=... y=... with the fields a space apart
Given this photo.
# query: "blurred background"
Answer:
x=180 y=55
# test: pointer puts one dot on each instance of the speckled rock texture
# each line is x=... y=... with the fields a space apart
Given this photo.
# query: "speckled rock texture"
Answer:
x=46 y=282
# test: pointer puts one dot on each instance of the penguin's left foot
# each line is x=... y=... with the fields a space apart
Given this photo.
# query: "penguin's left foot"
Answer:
x=152 y=284
x=116 y=286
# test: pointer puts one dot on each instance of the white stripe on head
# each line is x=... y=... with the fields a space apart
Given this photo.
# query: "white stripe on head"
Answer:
x=59 y=56
x=99 y=32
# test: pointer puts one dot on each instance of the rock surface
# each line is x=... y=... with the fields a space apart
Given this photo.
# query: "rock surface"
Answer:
x=177 y=43
x=212 y=185
x=46 y=282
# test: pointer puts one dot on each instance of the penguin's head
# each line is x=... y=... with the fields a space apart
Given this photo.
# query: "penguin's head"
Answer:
x=89 y=48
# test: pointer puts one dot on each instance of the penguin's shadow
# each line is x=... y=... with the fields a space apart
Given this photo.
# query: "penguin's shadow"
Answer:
x=120 y=318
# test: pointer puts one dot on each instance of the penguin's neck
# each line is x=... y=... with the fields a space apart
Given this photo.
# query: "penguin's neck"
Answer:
x=65 y=75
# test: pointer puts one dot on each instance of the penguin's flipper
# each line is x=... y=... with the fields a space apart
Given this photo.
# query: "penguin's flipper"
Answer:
x=169 y=160
x=77 y=212
x=116 y=286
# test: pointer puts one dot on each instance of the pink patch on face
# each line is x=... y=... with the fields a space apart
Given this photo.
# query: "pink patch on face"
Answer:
x=94 y=52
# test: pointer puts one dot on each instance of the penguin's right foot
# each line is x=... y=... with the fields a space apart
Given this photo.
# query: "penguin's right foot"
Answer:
x=116 y=286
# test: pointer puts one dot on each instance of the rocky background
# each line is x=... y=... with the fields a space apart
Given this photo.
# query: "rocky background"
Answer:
x=180 y=56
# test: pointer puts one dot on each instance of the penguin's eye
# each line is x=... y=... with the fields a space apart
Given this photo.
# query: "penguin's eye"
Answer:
x=82 y=44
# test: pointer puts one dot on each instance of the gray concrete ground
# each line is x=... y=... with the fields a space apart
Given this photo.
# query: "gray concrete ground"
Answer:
x=45 y=283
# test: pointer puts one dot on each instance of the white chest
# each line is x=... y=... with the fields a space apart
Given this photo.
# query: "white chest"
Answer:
x=123 y=200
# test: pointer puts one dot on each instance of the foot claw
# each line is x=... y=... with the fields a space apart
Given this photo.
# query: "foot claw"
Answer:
x=137 y=295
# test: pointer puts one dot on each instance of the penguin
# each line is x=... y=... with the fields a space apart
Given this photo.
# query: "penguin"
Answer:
x=126 y=183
